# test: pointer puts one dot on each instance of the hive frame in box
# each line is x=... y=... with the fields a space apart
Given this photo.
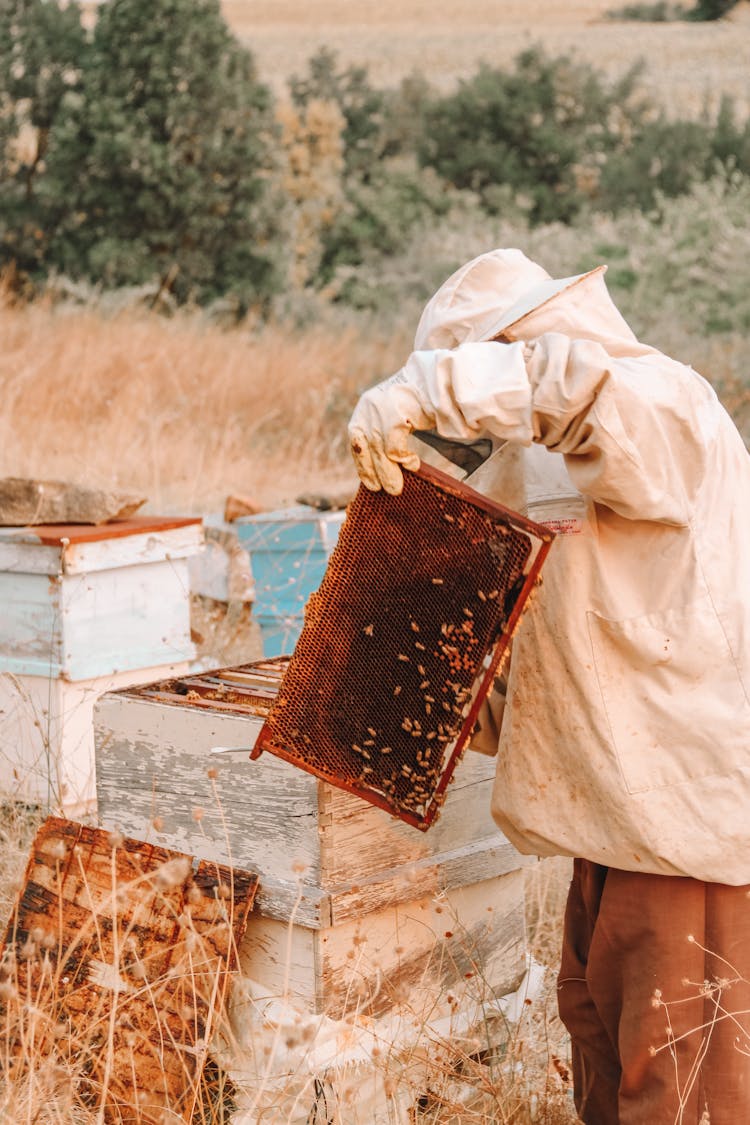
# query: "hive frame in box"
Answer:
x=477 y=537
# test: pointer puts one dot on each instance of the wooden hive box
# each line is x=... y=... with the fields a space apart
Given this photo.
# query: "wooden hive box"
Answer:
x=355 y=908
x=85 y=609
x=289 y=551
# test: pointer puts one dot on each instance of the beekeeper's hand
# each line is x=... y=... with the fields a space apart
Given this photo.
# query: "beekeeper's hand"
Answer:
x=379 y=430
x=463 y=393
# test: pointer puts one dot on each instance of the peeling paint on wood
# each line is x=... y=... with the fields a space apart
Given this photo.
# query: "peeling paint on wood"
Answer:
x=469 y=938
x=83 y=605
x=114 y=967
x=355 y=908
x=155 y=769
x=47 y=736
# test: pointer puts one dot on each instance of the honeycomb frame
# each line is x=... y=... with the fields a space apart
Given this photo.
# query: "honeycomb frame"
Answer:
x=402 y=640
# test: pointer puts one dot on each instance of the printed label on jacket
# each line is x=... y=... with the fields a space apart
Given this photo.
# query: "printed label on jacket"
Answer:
x=566 y=525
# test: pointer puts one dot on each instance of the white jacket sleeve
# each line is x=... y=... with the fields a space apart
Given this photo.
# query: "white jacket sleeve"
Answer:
x=633 y=430
x=463 y=392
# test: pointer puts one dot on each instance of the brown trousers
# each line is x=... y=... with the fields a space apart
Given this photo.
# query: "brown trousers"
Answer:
x=654 y=990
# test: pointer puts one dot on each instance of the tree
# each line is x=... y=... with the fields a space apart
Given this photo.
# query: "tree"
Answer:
x=710 y=9
x=166 y=157
x=42 y=53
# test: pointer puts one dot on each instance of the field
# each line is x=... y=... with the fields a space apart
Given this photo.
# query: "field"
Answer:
x=185 y=409
x=687 y=63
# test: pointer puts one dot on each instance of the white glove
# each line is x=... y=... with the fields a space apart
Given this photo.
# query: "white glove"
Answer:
x=464 y=392
x=379 y=429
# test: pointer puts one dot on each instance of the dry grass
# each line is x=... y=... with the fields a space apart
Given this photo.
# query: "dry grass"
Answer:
x=185 y=412
x=182 y=409
x=686 y=62
x=500 y=1072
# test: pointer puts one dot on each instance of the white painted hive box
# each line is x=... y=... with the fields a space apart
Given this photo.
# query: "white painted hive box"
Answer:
x=82 y=601
x=354 y=906
x=86 y=609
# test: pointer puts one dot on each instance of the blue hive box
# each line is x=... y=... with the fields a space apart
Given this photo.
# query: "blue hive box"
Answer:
x=289 y=551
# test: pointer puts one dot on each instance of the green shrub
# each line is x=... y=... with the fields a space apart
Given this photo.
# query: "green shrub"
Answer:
x=42 y=54
x=661 y=11
x=376 y=221
x=664 y=158
x=710 y=9
x=543 y=128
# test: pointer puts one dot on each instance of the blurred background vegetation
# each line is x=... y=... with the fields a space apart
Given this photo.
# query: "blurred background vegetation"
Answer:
x=146 y=151
x=144 y=164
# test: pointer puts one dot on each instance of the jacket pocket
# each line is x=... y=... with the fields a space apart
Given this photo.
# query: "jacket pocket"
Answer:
x=673 y=697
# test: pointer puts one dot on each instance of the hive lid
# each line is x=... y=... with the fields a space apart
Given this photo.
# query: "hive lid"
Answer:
x=402 y=641
x=80 y=548
x=59 y=534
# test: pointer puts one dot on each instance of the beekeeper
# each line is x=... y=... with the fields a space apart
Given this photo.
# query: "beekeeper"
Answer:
x=623 y=739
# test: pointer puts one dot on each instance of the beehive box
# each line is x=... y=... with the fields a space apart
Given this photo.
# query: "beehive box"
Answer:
x=354 y=907
x=289 y=551
x=85 y=609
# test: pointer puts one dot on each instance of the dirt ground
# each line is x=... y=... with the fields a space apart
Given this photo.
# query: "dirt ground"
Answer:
x=687 y=63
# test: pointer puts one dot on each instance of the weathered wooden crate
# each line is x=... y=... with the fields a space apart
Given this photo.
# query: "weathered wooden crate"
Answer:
x=359 y=916
x=85 y=609
x=115 y=966
x=329 y=863
x=370 y=939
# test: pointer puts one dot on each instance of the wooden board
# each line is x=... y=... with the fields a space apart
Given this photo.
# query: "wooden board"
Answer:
x=323 y=855
x=155 y=771
x=115 y=965
x=47 y=736
x=467 y=940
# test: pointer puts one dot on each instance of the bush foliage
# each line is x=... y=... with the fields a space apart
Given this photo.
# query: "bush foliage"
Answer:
x=148 y=152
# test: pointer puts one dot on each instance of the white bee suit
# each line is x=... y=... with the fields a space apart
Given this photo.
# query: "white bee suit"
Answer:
x=625 y=737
